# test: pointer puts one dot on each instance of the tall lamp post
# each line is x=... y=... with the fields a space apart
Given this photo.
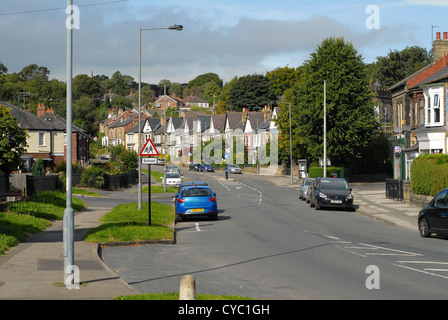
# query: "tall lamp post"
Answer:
x=176 y=28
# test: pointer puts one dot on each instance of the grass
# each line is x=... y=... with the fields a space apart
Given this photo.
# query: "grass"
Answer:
x=85 y=192
x=126 y=223
x=25 y=218
x=159 y=189
x=175 y=296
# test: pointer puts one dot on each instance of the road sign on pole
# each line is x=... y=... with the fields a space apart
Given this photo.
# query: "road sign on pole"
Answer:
x=149 y=149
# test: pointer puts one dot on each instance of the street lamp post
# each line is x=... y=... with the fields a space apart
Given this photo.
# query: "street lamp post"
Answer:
x=176 y=28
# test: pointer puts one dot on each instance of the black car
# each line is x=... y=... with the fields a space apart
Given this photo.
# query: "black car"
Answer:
x=433 y=218
x=331 y=192
x=206 y=167
x=194 y=166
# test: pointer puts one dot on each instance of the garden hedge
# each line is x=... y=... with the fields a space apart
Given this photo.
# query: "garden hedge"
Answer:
x=429 y=174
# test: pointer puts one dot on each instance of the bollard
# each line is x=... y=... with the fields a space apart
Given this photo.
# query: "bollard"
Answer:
x=187 y=288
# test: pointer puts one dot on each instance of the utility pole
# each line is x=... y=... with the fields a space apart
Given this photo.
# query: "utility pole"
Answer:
x=325 y=128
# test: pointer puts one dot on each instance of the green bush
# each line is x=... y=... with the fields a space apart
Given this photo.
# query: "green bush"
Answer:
x=94 y=177
x=38 y=168
x=429 y=174
x=315 y=172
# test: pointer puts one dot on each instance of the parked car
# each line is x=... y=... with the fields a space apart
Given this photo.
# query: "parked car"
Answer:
x=206 y=167
x=304 y=188
x=189 y=184
x=196 y=201
x=433 y=218
x=172 y=168
x=194 y=166
x=160 y=161
x=331 y=192
x=173 y=179
x=233 y=168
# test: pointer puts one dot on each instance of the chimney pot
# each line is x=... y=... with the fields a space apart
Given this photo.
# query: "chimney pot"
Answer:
x=438 y=35
x=445 y=35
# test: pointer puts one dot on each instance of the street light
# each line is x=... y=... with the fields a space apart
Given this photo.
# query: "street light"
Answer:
x=176 y=28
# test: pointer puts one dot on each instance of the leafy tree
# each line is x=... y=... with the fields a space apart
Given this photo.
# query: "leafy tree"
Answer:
x=351 y=123
x=251 y=91
x=398 y=65
x=283 y=79
x=12 y=141
x=83 y=85
x=205 y=78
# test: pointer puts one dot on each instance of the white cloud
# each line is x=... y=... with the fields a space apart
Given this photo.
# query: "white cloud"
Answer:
x=443 y=3
x=108 y=40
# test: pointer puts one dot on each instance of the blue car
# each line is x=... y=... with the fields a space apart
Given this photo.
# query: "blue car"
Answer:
x=196 y=201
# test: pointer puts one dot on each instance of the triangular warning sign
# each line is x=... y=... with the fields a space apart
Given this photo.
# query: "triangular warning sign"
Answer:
x=149 y=149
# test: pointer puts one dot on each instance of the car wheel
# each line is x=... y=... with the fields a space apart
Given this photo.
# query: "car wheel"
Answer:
x=214 y=217
x=424 y=228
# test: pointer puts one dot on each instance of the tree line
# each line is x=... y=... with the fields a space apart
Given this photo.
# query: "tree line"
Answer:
x=353 y=130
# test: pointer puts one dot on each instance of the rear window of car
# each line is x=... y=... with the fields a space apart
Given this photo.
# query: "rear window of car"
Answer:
x=172 y=175
x=196 y=192
x=333 y=184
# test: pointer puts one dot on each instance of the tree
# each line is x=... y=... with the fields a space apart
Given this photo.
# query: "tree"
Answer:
x=251 y=91
x=205 y=78
x=12 y=142
x=351 y=123
x=398 y=65
x=283 y=79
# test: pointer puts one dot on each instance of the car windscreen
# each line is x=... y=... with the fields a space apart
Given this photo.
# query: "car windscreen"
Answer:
x=308 y=182
x=199 y=192
x=333 y=184
x=172 y=175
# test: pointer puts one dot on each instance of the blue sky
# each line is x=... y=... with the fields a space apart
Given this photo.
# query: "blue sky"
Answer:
x=227 y=37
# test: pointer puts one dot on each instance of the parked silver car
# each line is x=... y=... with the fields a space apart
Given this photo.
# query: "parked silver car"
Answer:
x=173 y=179
x=304 y=188
x=233 y=168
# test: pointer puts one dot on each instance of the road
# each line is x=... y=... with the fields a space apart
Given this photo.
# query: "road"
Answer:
x=268 y=244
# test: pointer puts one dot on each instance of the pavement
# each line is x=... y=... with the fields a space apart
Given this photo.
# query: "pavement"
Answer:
x=33 y=270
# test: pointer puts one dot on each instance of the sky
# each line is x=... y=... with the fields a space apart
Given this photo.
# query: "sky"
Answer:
x=231 y=38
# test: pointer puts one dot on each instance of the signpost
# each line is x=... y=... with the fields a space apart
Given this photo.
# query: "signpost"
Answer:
x=149 y=150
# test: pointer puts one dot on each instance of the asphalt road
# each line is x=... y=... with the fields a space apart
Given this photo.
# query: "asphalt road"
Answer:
x=268 y=244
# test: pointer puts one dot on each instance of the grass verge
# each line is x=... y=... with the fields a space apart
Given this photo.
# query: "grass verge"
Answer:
x=24 y=218
x=175 y=296
x=125 y=223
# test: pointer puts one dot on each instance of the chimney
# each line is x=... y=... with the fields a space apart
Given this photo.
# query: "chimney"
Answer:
x=440 y=46
x=40 y=109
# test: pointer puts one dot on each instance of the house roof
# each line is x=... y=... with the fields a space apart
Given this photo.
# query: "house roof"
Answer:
x=234 y=118
x=205 y=121
x=194 y=99
x=28 y=120
x=438 y=76
x=255 y=119
x=59 y=123
x=219 y=122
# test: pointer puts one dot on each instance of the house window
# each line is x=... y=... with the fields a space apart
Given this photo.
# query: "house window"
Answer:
x=41 y=139
x=434 y=112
